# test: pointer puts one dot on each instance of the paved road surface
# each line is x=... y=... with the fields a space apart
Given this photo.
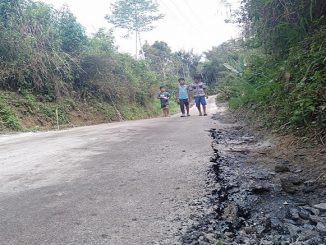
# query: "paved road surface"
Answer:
x=120 y=183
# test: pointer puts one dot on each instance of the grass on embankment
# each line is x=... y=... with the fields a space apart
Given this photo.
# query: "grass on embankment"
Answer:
x=26 y=112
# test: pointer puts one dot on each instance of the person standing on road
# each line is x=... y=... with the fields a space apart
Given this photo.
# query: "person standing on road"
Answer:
x=199 y=92
x=164 y=98
x=183 y=97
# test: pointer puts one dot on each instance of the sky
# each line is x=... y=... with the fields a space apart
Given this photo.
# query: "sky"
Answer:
x=196 y=25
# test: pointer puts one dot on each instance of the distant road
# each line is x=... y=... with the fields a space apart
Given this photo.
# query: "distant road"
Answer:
x=121 y=183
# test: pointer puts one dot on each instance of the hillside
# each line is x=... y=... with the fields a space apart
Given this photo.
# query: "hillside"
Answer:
x=49 y=64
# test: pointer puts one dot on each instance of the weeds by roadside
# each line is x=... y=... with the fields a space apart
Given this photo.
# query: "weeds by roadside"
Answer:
x=288 y=94
x=8 y=118
x=27 y=112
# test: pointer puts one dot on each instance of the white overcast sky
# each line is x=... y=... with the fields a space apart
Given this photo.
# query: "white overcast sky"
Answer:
x=188 y=24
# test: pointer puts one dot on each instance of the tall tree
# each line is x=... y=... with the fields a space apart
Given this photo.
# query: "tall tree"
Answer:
x=72 y=33
x=135 y=16
x=189 y=62
x=101 y=43
x=159 y=56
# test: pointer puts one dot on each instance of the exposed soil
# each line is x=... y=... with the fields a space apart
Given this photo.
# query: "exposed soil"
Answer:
x=262 y=189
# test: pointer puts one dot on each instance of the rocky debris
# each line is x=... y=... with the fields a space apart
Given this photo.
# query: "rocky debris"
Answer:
x=260 y=188
x=294 y=214
x=297 y=171
x=250 y=204
x=262 y=175
x=291 y=184
x=321 y=207
x=304 y=214
x=312 y=210
x=321 y=228
x=281 y=169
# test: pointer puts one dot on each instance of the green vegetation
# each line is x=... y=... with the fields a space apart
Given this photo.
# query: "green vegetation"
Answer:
x=277 y=70
x=48 y=63
x=8 y=118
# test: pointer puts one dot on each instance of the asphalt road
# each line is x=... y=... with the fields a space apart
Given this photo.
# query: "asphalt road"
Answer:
x=120 y=183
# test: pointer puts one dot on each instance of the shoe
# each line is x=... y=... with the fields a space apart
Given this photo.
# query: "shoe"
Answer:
x=205 y=114
x=188 y=115
x=183 y=115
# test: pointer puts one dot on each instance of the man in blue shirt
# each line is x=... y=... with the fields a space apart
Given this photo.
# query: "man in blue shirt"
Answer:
x=183 y=97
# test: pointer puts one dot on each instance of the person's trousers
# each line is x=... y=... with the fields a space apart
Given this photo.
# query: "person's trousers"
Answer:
x=183 y=103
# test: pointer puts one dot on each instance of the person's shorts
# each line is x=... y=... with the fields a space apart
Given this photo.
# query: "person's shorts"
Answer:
x=164 y=105
x=184 y=102
x=200 y=100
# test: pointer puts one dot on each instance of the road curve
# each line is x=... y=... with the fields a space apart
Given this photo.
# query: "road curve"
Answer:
x=121 y=183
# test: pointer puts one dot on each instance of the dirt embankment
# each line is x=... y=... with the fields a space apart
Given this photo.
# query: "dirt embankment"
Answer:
x=26 y=112
x=261 y=189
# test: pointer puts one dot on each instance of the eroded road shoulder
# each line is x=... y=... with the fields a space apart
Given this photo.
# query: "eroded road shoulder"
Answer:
x=257 y=195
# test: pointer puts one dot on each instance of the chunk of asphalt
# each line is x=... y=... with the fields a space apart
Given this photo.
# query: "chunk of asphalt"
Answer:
x=321 y=207
x=321 y=228
x=281 y=168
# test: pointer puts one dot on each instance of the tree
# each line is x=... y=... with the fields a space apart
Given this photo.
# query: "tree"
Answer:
x=159 y=56
x=223 y=60
x=135 y=16
x=101 y=43
x=188 y=63
x=72 y=33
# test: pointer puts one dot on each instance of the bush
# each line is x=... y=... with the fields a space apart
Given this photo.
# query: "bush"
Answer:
x=8 y=119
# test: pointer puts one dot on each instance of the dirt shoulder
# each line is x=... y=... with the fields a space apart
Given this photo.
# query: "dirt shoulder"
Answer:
x=262 y=188
x=303 y=157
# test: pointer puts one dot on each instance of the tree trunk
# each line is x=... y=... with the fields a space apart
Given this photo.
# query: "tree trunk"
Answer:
x=140 y=47
x=136 y=55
